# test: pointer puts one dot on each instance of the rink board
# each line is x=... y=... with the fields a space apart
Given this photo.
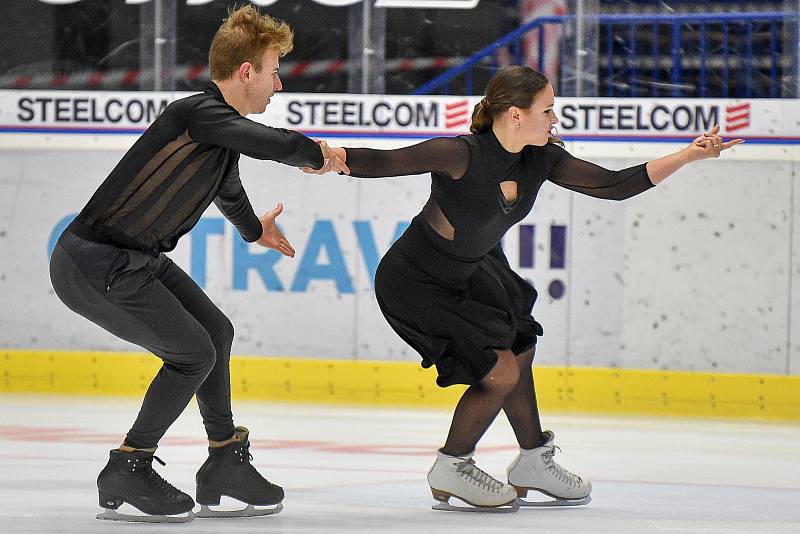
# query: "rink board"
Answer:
x=695 y=280
x=402 y=384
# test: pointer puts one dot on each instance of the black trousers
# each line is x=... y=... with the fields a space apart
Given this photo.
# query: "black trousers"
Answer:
x=151 y=302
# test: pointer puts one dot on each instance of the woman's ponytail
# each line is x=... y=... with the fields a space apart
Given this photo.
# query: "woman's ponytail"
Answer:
x=481 y=119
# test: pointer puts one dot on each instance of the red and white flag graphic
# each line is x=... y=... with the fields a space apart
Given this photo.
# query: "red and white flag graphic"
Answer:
x=737 y=117
x=456 y=113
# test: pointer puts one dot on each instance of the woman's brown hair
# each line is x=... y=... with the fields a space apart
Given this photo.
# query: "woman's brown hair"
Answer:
x=512 y=86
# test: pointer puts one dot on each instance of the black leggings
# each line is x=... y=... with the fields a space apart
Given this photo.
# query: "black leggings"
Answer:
x=151 y=302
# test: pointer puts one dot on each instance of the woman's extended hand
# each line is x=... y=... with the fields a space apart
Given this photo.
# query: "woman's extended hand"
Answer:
x=710 y=145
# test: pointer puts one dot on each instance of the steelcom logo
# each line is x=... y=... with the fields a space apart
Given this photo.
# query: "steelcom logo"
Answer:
x=89 y=109
x=359 y=113
x=639 y=117
x=389 y=114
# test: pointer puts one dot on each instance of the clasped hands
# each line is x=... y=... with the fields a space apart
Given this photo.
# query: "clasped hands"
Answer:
x=333 y=160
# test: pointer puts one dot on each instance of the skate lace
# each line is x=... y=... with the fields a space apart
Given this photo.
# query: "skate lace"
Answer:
x=152 y=478
x=473 y=474
x=243 y=452
x=559 y=472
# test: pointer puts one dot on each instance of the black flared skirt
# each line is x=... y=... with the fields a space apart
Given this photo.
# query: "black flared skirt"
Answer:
x=454 y=313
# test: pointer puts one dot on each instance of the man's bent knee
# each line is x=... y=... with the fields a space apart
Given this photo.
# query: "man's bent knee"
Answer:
x=197 y=362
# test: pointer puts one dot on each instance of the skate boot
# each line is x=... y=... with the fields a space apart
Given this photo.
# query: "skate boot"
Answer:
x=129 y=478
x=535 y=469
x=459 y=477
x=228 y=472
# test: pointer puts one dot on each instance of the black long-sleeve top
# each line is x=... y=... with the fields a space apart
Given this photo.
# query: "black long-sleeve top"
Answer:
x=188 y=158
x=467 y=209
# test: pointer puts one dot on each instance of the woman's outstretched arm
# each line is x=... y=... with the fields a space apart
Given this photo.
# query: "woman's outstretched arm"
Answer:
x=443 y=155
x=593 y=180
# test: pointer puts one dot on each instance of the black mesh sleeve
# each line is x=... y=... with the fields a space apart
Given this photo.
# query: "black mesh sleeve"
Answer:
x=593 y=180
x=443 y=155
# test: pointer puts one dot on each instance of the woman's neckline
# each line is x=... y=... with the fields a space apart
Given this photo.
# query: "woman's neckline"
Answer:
x=503 y=149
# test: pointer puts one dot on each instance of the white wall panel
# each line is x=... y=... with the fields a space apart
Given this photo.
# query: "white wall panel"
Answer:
x=706 y=282
x=45 y=187
x=793 y=366
x=384 y=203
x=700 y=273
x=598 y=259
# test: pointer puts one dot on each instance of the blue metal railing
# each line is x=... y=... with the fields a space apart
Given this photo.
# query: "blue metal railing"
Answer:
x=729 y=25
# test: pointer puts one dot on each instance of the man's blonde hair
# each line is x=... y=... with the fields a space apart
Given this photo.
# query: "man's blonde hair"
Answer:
x=243 y=37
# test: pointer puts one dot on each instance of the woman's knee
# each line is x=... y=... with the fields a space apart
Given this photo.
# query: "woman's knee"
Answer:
x=525 y=359
x=504 y=375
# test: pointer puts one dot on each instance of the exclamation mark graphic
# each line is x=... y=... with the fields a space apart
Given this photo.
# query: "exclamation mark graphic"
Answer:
x=527 y=245
x=558 y=258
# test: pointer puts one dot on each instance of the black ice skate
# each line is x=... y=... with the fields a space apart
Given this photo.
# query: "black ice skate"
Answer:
x=228 y=472
x=129 y=478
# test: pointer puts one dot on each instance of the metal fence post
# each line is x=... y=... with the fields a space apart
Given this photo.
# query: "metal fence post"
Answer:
x=157 y=36
x=676 y=59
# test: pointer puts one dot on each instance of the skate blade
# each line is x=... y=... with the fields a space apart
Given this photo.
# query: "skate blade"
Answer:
x=250 y=511
x=443 y=504
x=447 y=507
x=554 y=503
x=113 y=515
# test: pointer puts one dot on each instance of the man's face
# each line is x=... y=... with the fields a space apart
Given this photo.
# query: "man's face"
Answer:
x=264 y=83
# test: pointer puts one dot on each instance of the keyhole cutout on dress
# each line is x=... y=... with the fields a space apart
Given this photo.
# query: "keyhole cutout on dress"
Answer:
x=509 y=190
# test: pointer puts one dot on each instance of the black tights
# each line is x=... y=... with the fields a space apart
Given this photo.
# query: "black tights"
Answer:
x=508 y=386
x=151 y=302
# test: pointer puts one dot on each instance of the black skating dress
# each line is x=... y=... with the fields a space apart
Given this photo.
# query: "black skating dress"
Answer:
x=445 y=286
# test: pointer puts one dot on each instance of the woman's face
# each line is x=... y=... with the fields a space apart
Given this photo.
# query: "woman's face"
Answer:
x=536 y=122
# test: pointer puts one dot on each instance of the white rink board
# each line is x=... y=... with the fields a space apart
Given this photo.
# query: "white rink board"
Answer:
x=700 y=273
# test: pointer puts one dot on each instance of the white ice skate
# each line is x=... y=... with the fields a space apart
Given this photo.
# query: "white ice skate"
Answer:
x=459 y=477
x=535 y=469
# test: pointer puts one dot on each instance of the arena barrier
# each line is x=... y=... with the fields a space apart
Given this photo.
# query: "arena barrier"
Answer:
x=681 y=301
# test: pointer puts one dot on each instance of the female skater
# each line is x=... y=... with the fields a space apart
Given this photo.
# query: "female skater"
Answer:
x=447 y=289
